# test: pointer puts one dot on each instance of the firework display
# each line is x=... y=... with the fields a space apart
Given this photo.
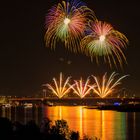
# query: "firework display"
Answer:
x=61 y=87
x=66 y=22
x=106 y=86
x=105 y=41
x=82 y=88
x=74 y=24
x=103 y=86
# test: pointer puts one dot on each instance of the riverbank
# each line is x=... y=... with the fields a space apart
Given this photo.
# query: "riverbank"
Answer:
x=45 y=131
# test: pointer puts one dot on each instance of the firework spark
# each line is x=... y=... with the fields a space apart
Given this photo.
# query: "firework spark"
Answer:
x=60 y=87
x=67 y=22
x=104 y=41
x=106 y=86
x=82 y=88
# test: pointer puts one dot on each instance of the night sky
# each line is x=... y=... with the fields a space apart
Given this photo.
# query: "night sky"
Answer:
x=25 y=62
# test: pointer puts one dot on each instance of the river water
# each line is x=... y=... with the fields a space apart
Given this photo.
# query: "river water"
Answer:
x=104 y=124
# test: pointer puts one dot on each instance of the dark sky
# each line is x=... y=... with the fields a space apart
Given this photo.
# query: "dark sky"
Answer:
x=25 y=62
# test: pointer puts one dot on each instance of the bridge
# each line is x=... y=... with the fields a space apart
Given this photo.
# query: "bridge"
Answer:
x=74 y=100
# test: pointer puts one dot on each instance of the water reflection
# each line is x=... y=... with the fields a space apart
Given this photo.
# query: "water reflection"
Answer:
x=103 y=124
x=106 y=125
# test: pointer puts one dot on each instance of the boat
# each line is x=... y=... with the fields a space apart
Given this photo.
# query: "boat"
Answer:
x=28 y=105
x=91 y=107
x=49 y=103
x=6 y=105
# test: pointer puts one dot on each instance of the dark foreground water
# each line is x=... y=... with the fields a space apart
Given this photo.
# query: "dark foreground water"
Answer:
x=106 y=125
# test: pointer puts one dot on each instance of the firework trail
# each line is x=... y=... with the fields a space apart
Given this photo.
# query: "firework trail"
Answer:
x=107 y=85
x=61 y=87
x=82 y=88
